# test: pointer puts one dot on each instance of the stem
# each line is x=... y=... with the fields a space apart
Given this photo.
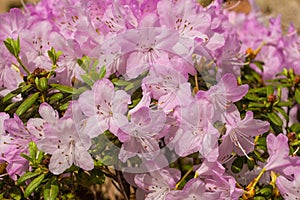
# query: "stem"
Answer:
x=182 y=179
x=22 y=65
x=122 y=188
x=196 y=89
x=24 y=5
x=252 y=185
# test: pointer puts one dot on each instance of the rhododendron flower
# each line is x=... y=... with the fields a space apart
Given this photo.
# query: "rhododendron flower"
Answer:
x=195 y=133
x=289 y=189
x=216 y=180
x=194 y=189
x=144 y=47
x=157 y=184
x=4 y=138
x=279 y=159
x=66 y=145
x=36 y=126
x=18 y=144
x=142 y=131
x=239 y=135
x=169 y=87
x=185 y=17
x=102 y=105
x=224 y=93
x=13 y=23
x=10 y=76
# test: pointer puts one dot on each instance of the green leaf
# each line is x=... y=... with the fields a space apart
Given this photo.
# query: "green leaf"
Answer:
x=27 y=157
x=13 y=46
x=27 y=103
x=250 y=164
x=54 y=55
x=63 y=88
x=237 y=164
x=86 y=78
x=84 y=63
x=55 y=98
x=102 y=72
x=275 y=118
x=258 y=90
x=64 y=106
x=33 y=185
x=297 y=95
x=94 y=75
x=270 y=90
x=266 y=191
x=282 y=112
x=284 y=104
x=259 y=65
x=252 y=97
x=15 y=92
x=121 y=83
x=27 y=176
x=256 y=105
x=12 y=106
x=129 y=86
x=33 y=150
x=43 y=84
x=296 y=127
x=51 y=190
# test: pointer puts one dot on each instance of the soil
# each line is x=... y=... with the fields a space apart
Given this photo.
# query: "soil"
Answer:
x=289 y=11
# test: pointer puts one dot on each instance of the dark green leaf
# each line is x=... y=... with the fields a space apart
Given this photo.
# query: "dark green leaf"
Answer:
x=284 y=104
x=270 y=90
x=63 y=88
x=274 y=118
x=15 y=92
x=282 y=112
x=27 y=103
x=237 y=165
x=252 y=97
x=297 y=95
x=51 y=190
x=256 y=105
x=258 y=90
x=27 y=176
x=296 y=127
x=33 y=185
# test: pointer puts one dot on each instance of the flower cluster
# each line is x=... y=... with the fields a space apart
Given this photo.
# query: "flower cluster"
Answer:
x=173 y=94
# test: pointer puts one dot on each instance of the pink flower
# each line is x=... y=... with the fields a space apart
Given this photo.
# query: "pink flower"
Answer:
x=224 y=93
x=194 y=189
x=4 y=138
x=66 y=145
x=239 y=134
x=141 y=132
x=144 y=47
x=18 y=144
x=36 y=126
x=279 y=159
x=289 y=189
x=157 y=184
x=13 y=23
x=213 y=174
x=168 y=86
x=185 y=17
x=195 y=133
x=102 y=105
